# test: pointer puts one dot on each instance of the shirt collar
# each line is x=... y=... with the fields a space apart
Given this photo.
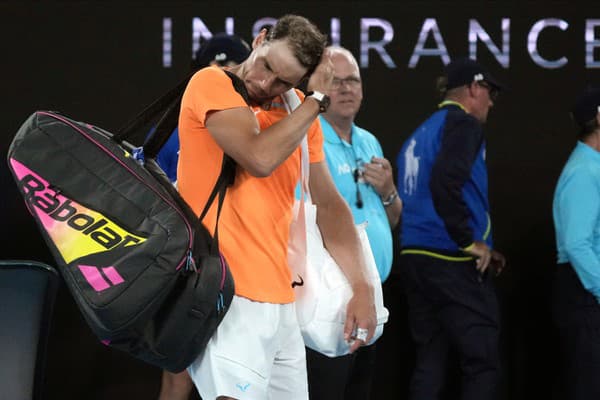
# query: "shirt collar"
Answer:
x=452 y=103
x=587 y=150
x=331 y=136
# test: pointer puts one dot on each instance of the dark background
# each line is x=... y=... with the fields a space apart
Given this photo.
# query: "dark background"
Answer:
x=101 y=62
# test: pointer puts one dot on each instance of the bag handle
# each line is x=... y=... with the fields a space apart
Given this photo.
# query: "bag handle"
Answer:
x=297 y=245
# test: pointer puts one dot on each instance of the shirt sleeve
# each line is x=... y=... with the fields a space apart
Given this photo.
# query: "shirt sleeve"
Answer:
x=210 y=89
x=578 y=212
x=461 y=142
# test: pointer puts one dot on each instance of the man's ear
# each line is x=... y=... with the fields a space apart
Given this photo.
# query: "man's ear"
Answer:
x=260 y=38
x=471 y=88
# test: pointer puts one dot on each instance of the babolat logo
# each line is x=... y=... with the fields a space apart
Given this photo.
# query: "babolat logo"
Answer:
x=76 y=230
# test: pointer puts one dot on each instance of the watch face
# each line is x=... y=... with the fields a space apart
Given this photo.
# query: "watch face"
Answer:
x=318 y=95
x=322 y=98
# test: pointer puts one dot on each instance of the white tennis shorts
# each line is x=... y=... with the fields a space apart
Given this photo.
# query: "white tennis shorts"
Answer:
x=257 y=353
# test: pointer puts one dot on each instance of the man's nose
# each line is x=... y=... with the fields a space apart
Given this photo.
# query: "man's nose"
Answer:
x=266 y=82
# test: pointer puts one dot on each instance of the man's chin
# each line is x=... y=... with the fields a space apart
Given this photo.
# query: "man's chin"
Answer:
x=258 y=99
x=261 y=100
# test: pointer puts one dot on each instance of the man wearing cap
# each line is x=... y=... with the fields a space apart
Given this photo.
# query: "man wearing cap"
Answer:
x=447 y=262
x=221 y=49
x=576 y=212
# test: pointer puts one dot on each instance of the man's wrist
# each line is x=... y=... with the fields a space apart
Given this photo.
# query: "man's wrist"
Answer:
x=321 y=98
x=389 y=199
x=362 y=286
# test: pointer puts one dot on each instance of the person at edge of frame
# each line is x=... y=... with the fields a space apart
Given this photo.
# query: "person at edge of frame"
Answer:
x=447 y=260
x=576 y=284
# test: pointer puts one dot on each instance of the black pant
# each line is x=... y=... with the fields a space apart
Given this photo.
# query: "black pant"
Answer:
x=451 y=306
x=341 y=378
x=577 y=315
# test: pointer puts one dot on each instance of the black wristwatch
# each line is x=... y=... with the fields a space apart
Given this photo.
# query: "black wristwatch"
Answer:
x=322 y=98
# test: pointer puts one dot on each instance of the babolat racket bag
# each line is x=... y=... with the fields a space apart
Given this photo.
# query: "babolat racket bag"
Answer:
x=144 y=271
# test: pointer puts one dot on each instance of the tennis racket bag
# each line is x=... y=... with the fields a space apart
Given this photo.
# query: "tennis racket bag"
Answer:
x=146 y=274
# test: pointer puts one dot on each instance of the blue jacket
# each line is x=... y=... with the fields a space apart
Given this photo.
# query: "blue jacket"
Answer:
x=442 y=180
x=168 y=156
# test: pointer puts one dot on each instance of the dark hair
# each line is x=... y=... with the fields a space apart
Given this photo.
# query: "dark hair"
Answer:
x=306 y=40
x=585 y=111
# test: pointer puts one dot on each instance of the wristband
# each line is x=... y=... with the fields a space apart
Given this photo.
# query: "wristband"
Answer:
x=390 y=199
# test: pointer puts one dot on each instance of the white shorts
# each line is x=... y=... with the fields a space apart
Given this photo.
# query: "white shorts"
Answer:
x=257 y=353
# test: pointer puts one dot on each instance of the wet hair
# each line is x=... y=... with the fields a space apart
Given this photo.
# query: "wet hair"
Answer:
x=306 y=40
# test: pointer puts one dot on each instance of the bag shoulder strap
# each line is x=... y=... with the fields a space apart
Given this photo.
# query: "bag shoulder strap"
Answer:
x=291 y=102
x=228 y=167
x=169 y=105
x=162 y=105
x=228 y=164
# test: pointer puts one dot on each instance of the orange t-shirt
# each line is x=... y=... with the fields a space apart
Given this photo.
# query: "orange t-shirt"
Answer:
x=257 y=212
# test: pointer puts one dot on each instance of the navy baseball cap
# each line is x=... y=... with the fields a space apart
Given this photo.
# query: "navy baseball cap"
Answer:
x=221 y=48
x=587 y=106
x=464 y=71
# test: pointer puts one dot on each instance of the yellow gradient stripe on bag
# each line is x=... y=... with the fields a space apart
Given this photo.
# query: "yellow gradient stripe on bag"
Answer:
x=76 y=230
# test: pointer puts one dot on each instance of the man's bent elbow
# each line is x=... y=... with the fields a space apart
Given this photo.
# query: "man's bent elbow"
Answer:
x=258 y=168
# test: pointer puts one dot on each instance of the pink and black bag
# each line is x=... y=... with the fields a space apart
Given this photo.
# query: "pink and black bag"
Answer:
x=146 y=274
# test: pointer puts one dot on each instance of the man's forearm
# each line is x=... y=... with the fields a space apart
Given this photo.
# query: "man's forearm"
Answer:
x=341 y=240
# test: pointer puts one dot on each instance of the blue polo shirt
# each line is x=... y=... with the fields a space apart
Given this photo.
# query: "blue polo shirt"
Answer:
x=576 y=212
x=342 y=159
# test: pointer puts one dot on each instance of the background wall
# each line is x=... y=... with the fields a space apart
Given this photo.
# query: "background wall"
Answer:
x=101 y=62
